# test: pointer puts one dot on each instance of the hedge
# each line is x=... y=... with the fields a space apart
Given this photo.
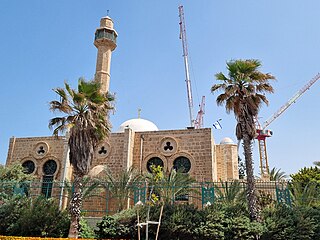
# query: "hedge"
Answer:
x=46 y=238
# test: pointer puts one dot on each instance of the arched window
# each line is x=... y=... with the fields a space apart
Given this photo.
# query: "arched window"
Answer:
x=155 y=161
x=49 y=169
x=182 y=164
x=28 y=166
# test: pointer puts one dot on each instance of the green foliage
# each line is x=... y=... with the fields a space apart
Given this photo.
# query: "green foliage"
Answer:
x=13 y=178
x=314 y=213
x=178 y=221
x=277 y=175
x=219 y=221
x=230 y=192
x=213 y=226
x=169 y=187
x=38 y=217
x=307 y=175
x=305 y=187
x=90 y=187
x=110 y=227
x=10 y=212
x=241 y=228
x=265 y=199
x=14 y=173
x=85 y=230
x=305 y=195
x=119 y=225
x=295 y=223
x=120 y=185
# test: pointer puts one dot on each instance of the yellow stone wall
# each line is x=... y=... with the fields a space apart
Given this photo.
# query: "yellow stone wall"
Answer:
x=209 y=162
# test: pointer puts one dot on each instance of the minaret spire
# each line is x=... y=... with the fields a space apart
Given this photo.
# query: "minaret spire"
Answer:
x=105 y=41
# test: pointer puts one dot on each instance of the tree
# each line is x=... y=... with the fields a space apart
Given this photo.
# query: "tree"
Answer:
x=86 y=117
x=169 y=187
x=14 y=173
x=306 y=176
x=230 y=192
x=243 y=94
x=277 y=175
x=120 y=186
x=241 y=168
x=13 y=178
x=305 y=186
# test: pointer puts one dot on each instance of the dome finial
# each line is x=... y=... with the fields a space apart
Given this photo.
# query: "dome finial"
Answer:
x=139 y=113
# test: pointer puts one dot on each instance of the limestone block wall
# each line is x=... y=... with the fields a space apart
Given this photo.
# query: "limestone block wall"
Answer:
x=194 y=144
x=39 y=150
x=111 y=152
x=227 y=162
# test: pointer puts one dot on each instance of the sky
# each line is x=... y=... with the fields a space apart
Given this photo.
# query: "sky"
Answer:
x=44 y=43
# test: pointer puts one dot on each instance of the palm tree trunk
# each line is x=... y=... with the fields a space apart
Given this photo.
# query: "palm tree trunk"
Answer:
x=75 y=207
x=251 y=196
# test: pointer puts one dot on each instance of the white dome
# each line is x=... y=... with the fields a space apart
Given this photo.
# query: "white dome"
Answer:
x=138 y=125
x=226 y=140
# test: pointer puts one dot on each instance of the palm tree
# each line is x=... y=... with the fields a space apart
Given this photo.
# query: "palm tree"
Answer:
x=307 y=195
x=120 y=186
x=171 y=186
x=277 y=175
x=85 y=116
x=230 y=192
x=243 y=94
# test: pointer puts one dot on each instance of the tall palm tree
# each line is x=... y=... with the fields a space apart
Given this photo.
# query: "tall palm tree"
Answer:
x=85 y=116
x=243 y=94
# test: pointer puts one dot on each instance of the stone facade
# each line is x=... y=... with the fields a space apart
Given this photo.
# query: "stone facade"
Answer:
x=208 y=162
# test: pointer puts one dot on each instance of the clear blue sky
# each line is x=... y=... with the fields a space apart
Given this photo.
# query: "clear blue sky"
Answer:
x=44 y=43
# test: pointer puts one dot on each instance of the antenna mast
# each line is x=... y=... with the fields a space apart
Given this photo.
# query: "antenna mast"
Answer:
x=183 y=38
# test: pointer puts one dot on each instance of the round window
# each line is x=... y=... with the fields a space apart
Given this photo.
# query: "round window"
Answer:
x=155 y=161
x=50 y=167
x=28 y=166
x=182 y=164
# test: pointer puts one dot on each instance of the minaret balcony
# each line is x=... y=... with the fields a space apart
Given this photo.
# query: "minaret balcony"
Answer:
x=106 y=34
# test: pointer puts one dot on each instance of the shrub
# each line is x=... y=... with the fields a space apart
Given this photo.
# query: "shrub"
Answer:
x=241 y=228
x=85 y=230
x=213 y=227
x=38 y=217
x=283 y=222
x=10 y=212
x=109 y=227
x=120 y=225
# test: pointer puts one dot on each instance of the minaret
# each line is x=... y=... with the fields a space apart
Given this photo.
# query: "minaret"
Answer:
x=105 y=41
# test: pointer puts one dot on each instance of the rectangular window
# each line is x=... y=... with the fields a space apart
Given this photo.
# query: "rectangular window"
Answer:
x=47 y=183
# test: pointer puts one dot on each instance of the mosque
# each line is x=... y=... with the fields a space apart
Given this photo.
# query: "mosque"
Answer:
x=138 y=143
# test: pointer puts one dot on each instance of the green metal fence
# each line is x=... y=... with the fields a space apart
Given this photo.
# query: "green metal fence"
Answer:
x=101 y=198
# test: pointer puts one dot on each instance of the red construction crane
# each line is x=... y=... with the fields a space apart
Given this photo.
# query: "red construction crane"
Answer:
x=199 y=120
x=263 y=133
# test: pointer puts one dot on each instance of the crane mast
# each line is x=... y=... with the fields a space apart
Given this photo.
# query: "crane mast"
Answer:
x=199 y=120
x=183 y=38
x=263 y=133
